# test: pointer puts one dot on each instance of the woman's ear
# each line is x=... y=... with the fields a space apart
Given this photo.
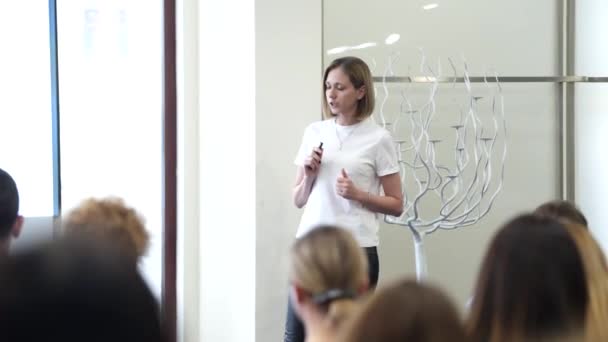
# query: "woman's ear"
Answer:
x=361 y=92
x=299 y=297
x=299 y=294
x=363 y=288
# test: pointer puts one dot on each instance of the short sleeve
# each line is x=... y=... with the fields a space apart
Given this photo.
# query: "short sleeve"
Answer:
x=305 y=148
x=386 y=156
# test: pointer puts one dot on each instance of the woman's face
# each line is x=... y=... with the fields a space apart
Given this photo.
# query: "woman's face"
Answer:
x=341 y=95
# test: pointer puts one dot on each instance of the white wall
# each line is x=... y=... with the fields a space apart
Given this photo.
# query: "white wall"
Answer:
x=188 y=173
x=289 y=74
x=591 y=115
x=227 y=121
x=249 y=209
x=217 y=120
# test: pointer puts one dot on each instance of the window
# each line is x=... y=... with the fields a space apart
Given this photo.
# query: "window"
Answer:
x=110 y=86
x=25 y=94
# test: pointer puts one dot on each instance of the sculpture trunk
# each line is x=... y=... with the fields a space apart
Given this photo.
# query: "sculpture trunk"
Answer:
x=421 y=269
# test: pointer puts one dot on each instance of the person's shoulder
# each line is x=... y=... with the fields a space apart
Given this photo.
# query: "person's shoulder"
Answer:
x=319 y=125
x=322 y=123
x=377 y=130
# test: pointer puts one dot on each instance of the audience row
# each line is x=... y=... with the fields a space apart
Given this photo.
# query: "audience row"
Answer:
x=85 y=285
x=543 y=278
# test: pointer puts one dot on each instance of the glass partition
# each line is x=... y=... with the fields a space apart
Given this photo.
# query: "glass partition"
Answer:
x=426 y=39
x=591 y=124
x=480 y=31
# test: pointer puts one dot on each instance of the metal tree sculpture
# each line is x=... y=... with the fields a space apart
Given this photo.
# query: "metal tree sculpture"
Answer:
x=460 y=190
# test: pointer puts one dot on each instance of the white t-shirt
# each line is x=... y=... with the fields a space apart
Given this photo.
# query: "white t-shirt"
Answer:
x=368 y=152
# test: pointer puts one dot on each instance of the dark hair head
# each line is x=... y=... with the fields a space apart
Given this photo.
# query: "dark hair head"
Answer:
x=531 y=284
x=406 y=311
x=75 y=290
x=561 y=210
x=9 y=203
x=360 y=76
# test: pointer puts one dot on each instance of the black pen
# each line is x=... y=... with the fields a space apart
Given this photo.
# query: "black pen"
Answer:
x=321 y=148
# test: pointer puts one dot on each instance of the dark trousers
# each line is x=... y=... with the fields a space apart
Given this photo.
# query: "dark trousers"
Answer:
x=294 y=329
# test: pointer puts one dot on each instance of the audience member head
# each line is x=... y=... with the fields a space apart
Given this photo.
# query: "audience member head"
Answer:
x=10 y=220
x=561 y=210
x=109 y=219
x=531 y=285
x=328 y=270
x=75 y=290
x=596 y=274
x=405 y=311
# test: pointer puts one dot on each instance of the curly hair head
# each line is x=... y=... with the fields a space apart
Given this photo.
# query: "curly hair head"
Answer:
x=109 y=219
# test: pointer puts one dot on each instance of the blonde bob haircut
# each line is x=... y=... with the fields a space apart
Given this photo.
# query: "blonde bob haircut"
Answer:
x=359 y=75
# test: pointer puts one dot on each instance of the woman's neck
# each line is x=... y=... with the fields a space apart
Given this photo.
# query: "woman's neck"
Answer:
x=319 y=335
x=317 y=329
x=346 y=120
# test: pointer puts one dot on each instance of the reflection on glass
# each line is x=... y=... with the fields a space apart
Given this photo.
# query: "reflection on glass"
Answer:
x=111 y=109
x=363 y=46
x=392 y=38
x=342 y=49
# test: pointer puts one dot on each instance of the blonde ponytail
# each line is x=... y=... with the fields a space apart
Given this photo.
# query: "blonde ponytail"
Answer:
x=339 y=310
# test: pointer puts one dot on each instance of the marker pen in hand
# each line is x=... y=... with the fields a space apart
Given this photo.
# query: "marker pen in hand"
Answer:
x=321 y=148
x=317 y=153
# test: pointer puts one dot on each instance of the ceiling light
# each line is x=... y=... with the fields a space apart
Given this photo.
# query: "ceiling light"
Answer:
x=392 y=38
x=364 y=45
x=337 y=50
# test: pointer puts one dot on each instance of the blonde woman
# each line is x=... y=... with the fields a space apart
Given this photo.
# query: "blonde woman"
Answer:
x=347 y=167
x=328 y=272
x=112 y=221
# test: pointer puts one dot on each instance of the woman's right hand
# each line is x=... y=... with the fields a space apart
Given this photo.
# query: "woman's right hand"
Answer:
x=312 y=163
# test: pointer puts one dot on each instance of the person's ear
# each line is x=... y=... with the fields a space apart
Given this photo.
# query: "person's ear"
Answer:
x=16 y=230
x=298 y=298
x=300 y=295
x=361 y=92
x=363 y=288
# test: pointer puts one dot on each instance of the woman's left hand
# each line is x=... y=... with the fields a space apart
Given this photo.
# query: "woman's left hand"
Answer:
x=345 y=187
